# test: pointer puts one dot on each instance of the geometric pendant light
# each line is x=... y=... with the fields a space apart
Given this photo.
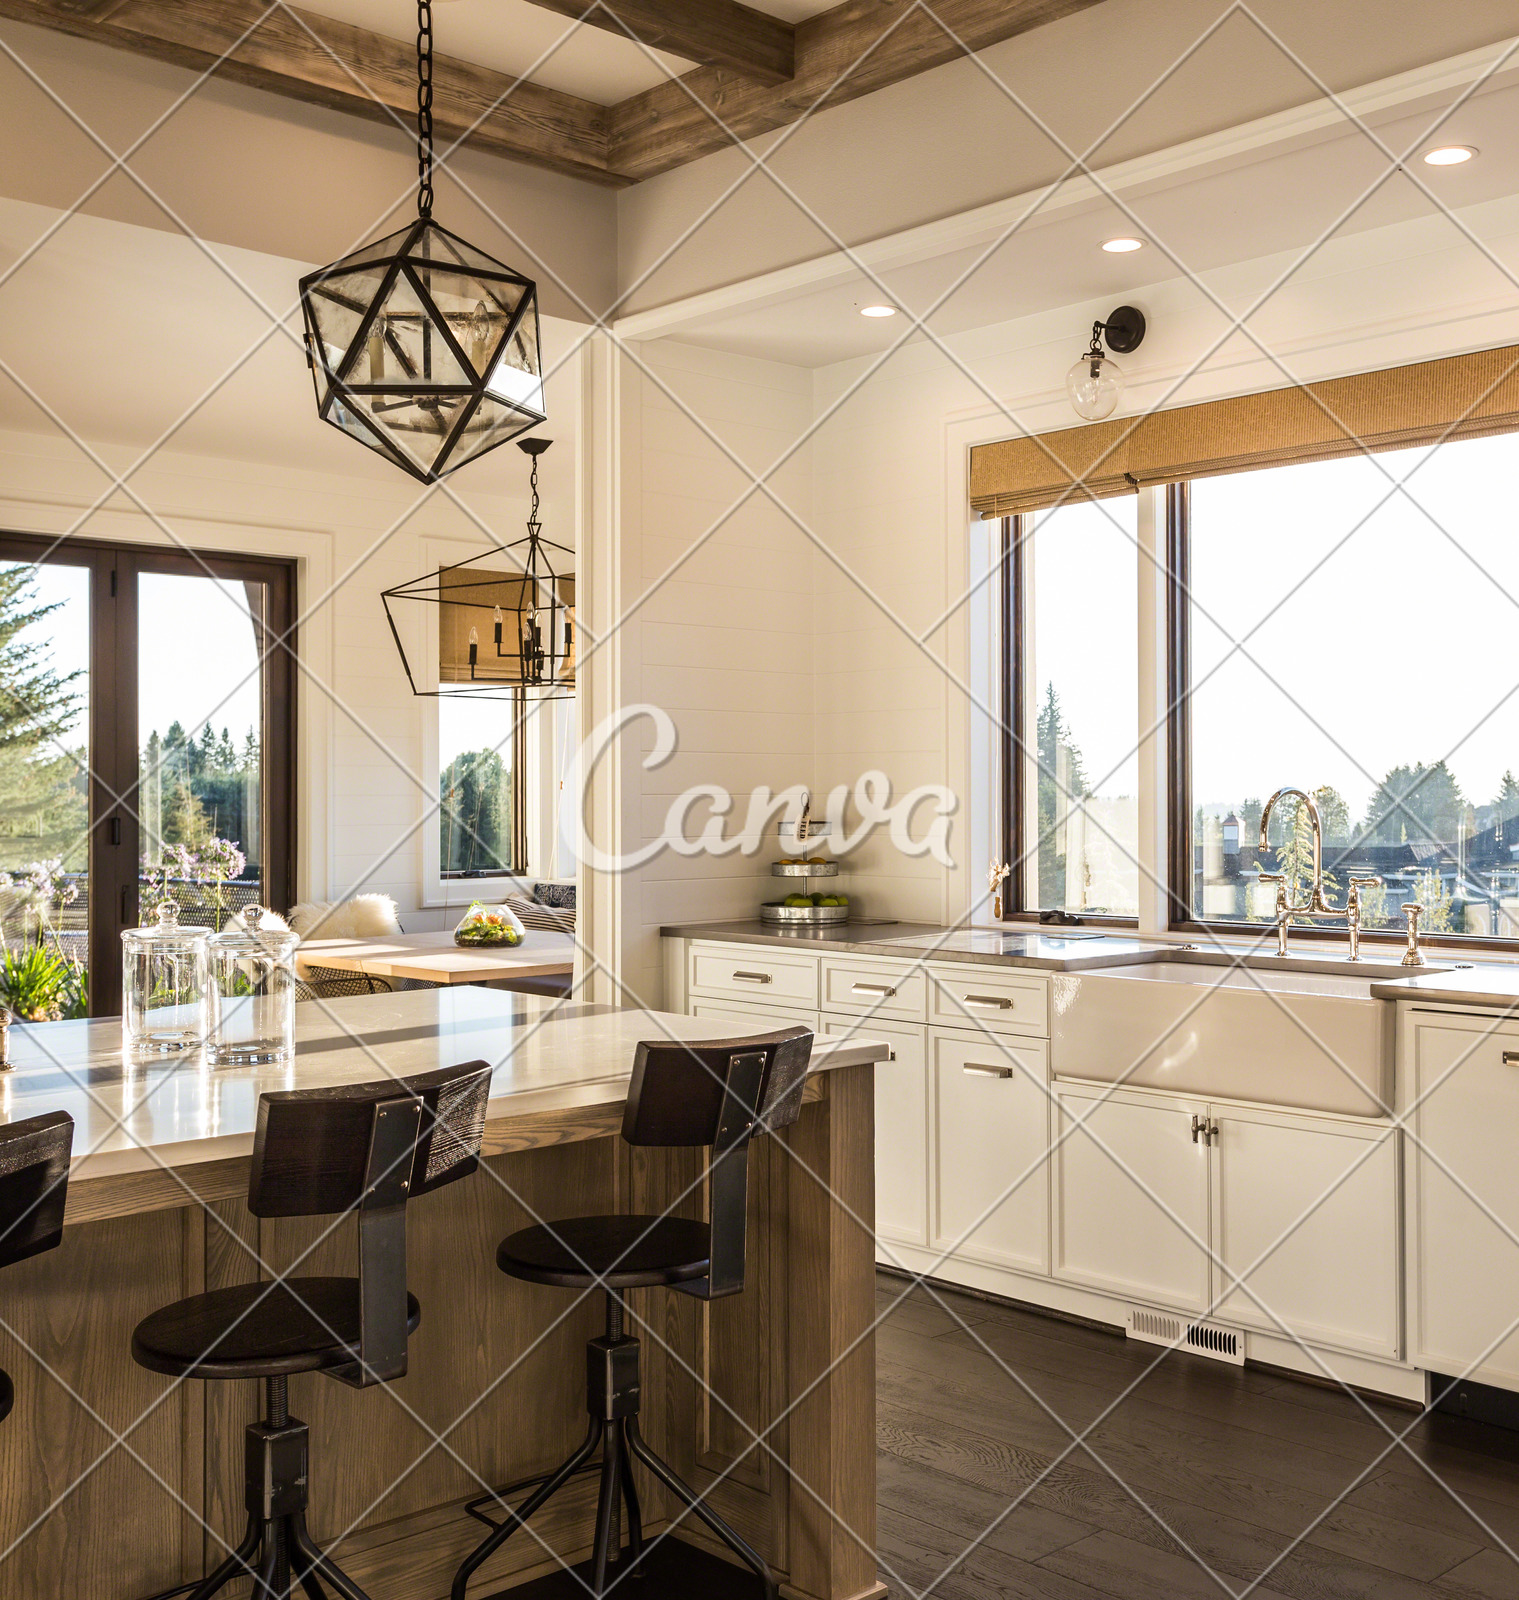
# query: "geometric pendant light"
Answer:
x=421 y=346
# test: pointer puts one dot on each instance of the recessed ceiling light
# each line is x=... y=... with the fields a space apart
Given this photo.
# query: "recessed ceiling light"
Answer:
x=1449 y=155
x=1122 y=247
x=878 y=311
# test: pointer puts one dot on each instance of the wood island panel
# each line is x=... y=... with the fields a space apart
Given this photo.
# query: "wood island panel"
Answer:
x=496 y=1368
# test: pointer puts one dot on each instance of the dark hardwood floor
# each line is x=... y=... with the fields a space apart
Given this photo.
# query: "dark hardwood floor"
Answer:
x=1193 y=1485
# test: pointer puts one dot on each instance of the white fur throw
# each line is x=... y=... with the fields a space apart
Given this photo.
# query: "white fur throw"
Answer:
x=271 y=921
x=364 y=916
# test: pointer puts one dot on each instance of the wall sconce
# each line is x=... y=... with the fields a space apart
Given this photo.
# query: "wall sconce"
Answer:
x=1095 y=383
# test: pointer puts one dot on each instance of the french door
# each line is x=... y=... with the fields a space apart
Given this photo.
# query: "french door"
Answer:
x=146 y=746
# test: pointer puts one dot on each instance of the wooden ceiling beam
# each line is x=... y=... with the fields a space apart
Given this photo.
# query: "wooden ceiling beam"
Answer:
x=712 y=33
x=522 y=120
x=674 y=123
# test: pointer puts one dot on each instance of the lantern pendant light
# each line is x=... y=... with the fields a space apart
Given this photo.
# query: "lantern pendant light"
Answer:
x=421 y=346
x=506 y=617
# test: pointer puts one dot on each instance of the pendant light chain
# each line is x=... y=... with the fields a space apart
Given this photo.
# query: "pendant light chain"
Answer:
x=424 y=108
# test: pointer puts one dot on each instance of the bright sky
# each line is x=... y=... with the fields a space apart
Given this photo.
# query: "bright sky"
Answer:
x=195 y=648
x=1401 y=645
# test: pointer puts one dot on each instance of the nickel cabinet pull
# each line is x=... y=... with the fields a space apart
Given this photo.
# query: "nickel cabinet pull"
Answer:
x=885 y=990
x=976 y=1069
x=1204 y=1130
x=1511 y=1058
x=754 y=977
x=992 y=1002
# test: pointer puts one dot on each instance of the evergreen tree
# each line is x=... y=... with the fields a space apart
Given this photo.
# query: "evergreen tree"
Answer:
x=476 y=813
x=1506 y=801
x=185 y=820
x=43 y=788
x=37 y=704
x=1415 y=802
x=1062 y=782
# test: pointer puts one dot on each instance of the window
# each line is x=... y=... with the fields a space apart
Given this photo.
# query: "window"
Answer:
x=481 y=765
x=1073 y=801
x=146 y=748
x=1358 y=642
x=1327 y=631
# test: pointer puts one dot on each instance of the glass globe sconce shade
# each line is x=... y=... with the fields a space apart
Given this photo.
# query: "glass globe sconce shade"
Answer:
x=425 y=349
x=1095 y=382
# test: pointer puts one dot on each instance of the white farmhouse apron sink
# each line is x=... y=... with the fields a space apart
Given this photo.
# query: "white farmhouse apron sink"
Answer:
x=1313 y=1041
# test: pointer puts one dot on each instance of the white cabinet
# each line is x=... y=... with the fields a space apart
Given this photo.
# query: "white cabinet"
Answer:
x=1305 y=1228
x=1462 y=1076
x=991 y=1115
x=1131 y=1195
x=1267 y=1220
x=902 y=1134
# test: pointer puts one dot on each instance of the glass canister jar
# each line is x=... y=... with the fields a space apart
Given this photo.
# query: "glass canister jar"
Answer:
x=163 y=1000
x=252 y=992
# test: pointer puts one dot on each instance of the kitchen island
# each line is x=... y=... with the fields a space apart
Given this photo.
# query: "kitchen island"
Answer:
x=116 y=1482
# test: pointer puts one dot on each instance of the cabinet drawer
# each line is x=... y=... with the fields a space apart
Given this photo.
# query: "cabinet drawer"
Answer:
x=986 y=997
x=750 y=1018
x=883 y=988
x=754 y=972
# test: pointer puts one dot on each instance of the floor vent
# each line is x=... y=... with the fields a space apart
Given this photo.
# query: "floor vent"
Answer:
x=1203 y=1338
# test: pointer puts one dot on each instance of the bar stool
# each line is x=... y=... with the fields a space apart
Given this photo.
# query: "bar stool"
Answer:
x=720 y=1094
x=34 y=1181
x=364 y=1147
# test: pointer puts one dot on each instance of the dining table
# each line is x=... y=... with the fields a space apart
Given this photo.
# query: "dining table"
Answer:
x=435 y=958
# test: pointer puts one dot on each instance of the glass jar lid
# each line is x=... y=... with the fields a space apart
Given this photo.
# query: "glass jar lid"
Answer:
x=247 y=936
x=166 y=932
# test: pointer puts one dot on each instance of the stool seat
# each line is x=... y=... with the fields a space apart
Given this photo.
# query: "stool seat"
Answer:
x=258 y=1330
x=621 y=1252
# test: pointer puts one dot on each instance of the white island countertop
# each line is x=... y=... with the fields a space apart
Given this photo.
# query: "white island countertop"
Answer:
x=561 y=1072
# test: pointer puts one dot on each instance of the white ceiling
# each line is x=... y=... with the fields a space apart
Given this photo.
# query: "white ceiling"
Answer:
x=1256 y=205
x=516 y=37
x=120 y=331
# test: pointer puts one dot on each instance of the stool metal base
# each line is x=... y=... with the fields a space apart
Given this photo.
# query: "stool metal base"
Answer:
x=277 y=1551
x=612 y=1399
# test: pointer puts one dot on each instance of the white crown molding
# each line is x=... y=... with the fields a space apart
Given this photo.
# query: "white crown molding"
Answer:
x=1314 y=122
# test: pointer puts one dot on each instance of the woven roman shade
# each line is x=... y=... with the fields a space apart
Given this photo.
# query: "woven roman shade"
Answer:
x=1460 y=397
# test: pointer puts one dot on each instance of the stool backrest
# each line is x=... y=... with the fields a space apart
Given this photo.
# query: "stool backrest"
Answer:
x=369 y=1148
x=34 y=1181
x=34 y=1184
x=719 y=1093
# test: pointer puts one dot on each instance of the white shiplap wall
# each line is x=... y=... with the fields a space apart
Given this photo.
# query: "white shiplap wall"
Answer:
x=724 y=642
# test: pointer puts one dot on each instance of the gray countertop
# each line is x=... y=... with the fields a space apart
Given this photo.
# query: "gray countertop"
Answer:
x=1493 y=984
x=1489 y=983
x=1047 y=949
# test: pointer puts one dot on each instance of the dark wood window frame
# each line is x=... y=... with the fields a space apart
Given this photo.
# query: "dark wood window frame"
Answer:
x=115 y=738
x=1012 y=689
